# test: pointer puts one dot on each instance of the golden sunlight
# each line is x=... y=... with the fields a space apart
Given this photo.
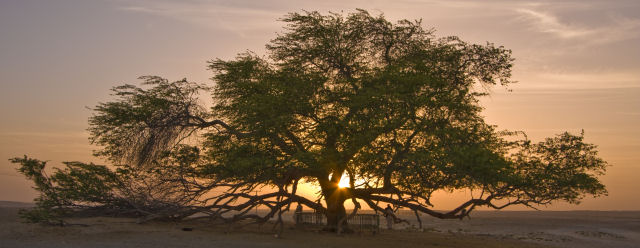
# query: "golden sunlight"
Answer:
x=344 y=181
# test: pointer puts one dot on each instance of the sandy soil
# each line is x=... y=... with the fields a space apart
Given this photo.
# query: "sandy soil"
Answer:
x=552 y=228
x=489 y=229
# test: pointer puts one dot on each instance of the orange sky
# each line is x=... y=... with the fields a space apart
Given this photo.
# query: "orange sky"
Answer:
x=576 y=62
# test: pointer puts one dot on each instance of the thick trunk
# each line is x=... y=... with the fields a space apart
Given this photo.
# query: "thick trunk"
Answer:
x=335 y=212
x=335 y=198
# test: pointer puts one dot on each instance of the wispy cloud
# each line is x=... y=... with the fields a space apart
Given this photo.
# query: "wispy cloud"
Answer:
x=585 y=80
x=59 y=134
x=614 y=29
x=548 y=23
x=237 y=19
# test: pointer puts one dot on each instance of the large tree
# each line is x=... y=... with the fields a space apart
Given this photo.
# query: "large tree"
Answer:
x=391 y=106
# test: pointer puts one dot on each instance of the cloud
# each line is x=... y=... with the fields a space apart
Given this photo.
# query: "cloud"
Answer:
x=56 y=135
x=585 y=80
x=238 y=19
x=612 y=29
x=547 y=23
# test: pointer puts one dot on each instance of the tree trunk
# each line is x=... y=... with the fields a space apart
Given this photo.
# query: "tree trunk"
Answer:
x=335 y=212
x=335 y=198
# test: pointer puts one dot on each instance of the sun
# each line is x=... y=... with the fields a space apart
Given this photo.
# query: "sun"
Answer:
x=344 y=181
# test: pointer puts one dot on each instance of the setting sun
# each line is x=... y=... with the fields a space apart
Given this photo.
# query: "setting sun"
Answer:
x=344 y=181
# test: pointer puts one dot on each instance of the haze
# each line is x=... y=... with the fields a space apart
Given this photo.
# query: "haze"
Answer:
x=577 y=63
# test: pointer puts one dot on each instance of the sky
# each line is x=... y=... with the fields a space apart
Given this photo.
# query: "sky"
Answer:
x=577 y=66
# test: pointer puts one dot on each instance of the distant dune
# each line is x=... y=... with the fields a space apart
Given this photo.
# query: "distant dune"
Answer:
x=12 y=204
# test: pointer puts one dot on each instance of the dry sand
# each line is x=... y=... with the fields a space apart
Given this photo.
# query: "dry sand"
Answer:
x=553 y=228
x=485 y=229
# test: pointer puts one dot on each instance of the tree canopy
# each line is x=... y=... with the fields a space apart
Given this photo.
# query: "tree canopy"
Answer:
x=390 y=105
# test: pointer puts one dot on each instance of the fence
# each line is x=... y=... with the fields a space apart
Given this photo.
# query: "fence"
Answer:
x=370 y=222
x=361 y=222
x=309 y=218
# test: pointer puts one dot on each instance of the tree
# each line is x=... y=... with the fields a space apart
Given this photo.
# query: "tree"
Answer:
x=391 y=106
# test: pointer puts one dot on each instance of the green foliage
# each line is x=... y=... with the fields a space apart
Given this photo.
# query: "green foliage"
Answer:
x=47 y=204
x=560 y=168
x=86 y=183
x=77 y=184
x=349 y=93
x=391 y=105
x=127 y=190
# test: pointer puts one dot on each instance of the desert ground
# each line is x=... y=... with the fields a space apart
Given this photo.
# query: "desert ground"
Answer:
x=484 y=229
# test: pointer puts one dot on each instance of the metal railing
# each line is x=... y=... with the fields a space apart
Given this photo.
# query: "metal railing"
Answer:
x=369 y=222
x=360 y=222
x=311 y=218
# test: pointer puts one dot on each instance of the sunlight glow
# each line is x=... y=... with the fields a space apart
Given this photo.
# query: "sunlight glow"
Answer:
x=344 y=181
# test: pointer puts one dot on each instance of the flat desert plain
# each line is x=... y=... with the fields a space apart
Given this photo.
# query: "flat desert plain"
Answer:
x=484 y=229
